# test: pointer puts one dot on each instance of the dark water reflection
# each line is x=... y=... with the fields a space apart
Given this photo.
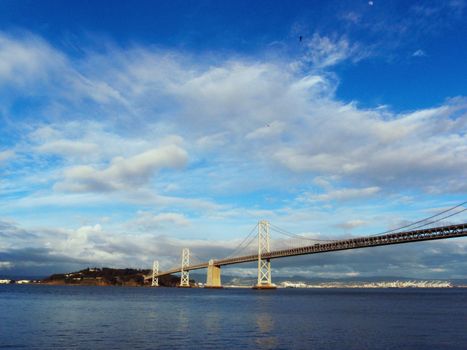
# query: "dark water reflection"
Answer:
x=46 y=317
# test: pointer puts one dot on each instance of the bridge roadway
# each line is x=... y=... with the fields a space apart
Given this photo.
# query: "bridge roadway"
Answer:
x=443 y=232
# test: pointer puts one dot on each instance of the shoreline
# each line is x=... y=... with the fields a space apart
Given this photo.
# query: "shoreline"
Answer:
x=235 y=286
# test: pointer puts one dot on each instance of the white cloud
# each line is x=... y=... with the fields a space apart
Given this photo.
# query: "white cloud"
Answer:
x=68 y=148
x=346 y=194
x=377 y=147
x=269 y=130
x=213 y=141
x=243 y=110
x=147 y=221
x=44 y=134
x=351 y=224
x=26 y=60
x=79 y=239
x=123 y=173
x=419 y=53
x=92 y=141
x=5 y=155
x=301 y=161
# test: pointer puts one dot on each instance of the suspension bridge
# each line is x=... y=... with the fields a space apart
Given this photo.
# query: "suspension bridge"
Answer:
x=431 y=228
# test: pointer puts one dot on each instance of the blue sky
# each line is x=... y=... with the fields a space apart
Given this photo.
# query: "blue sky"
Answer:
x=131 y=130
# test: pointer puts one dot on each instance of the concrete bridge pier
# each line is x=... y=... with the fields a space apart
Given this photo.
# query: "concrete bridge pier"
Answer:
x=213 y=279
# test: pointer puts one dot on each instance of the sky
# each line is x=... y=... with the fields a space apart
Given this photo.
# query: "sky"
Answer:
x=132 y=129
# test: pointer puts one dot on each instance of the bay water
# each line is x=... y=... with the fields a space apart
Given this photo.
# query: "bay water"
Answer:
x=79 y=317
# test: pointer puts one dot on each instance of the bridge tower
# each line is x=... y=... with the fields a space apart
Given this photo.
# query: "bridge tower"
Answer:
x=155 y=272
x=264 y=265
x=185 y=275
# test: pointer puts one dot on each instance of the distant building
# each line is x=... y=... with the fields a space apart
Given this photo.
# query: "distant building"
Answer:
x=23 y=282
x=385 y=284
x=5 y=281
x=288 y=284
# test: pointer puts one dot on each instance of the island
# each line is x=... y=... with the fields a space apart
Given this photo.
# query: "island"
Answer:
x=110 y=277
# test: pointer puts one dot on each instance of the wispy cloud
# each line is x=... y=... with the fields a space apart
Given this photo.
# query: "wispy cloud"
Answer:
x=27 y=60
x=324 y=51
x=384 y=28
x=419 y=53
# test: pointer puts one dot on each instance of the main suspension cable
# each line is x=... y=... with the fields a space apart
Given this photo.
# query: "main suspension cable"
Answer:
x=428 y=218
x=293 y=235
x=241 y=246
x=435 y=221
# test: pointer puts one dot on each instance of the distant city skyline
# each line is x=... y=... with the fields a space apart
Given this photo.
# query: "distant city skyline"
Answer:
x=131 y=130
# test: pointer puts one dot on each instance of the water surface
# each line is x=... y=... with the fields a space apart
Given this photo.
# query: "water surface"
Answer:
x=65 y=317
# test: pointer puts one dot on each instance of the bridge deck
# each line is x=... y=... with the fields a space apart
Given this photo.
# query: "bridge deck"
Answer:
x=442 y=232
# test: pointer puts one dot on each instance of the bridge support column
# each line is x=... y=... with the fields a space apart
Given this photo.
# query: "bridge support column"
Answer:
x=185 y=275
x=155 y=273
x=213 y=279
x=264 y=265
